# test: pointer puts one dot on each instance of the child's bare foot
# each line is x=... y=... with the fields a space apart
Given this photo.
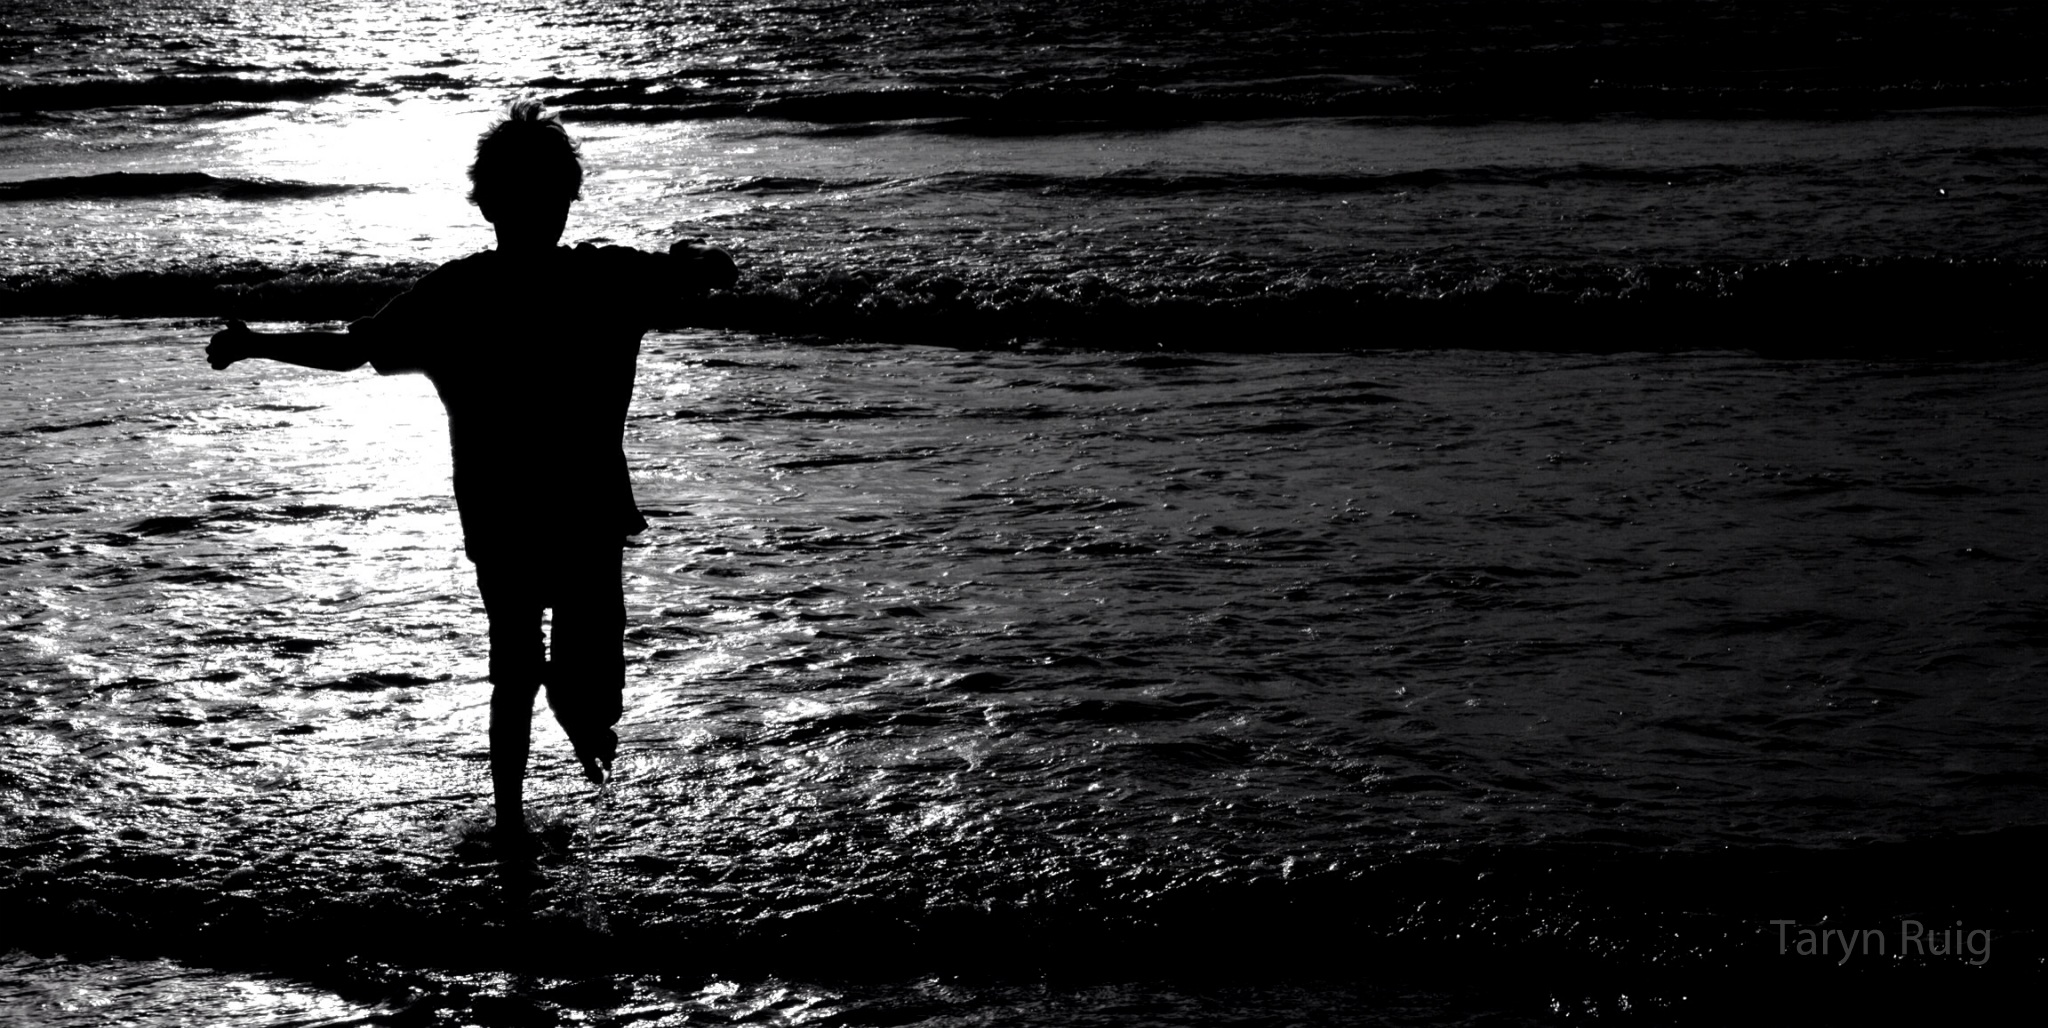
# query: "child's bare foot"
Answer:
x=511 y=840
x=509 y=832
x=507 y=841
x=596 y=750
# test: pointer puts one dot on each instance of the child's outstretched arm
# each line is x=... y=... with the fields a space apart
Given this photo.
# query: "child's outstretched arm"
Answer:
x=327 y=351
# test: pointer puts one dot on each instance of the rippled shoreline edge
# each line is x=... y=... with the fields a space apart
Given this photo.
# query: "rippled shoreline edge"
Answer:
x=1572 y=917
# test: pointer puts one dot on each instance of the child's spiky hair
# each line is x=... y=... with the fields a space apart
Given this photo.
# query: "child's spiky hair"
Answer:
x=526 y=157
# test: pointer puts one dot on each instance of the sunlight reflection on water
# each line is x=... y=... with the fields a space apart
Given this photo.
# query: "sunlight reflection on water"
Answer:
x=38 y=991
x=921 y=630
x=407 y=157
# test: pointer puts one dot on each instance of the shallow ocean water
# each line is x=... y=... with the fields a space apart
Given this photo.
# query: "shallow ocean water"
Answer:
x=1124 y=659
x=1018 y=658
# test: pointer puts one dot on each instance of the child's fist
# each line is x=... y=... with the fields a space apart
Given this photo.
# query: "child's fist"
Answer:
x=707 y=266
x=229 y=345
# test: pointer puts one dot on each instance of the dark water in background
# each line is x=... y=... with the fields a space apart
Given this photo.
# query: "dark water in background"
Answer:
x=1119 y=173
x=1051 y=683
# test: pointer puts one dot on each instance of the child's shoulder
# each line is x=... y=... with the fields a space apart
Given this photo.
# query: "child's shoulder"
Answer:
x=610 y=267
x=609 y=254
x=461 y=269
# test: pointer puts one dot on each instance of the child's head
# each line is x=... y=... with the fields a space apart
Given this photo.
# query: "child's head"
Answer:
x=526 y=172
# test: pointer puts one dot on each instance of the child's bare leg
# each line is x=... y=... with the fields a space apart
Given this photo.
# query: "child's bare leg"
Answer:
x=511 y=738
x=518 y=662
x=588 y=673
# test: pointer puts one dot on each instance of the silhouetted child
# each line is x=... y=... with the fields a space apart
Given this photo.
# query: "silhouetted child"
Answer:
x=532 y=347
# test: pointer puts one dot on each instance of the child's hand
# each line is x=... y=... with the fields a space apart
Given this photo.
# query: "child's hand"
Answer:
x=708 y=266
x=229 y=345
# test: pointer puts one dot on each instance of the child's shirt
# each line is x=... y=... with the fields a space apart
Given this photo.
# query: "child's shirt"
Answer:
x=534 y=359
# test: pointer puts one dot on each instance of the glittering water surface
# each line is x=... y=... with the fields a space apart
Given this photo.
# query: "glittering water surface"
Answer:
x=1092 y=174
x=43 y=991
x=929 y=642
x=1118 y=661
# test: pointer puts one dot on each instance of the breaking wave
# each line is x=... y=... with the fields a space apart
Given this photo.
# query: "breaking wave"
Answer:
x=1802 y=306
x=163 y=91
x=132 y=185
x=1122 y=105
